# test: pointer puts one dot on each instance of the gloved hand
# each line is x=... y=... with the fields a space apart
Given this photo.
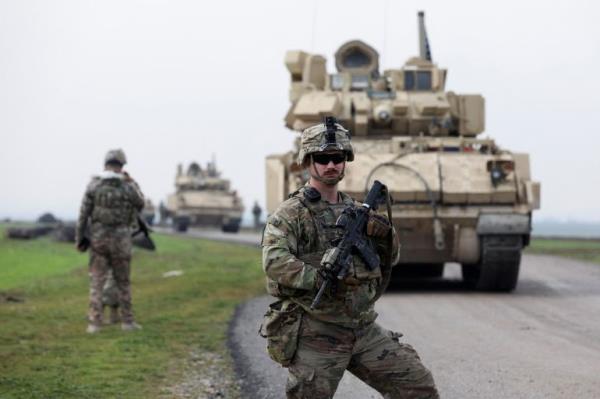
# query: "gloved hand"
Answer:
x=127 y=177
x=378 y=226
x=351 y=281
x=83 y=244
x=325 y=274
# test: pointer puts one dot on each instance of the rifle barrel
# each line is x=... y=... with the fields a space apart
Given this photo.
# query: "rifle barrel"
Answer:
x=317 y=299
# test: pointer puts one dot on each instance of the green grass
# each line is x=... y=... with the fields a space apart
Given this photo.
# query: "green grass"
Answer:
x=45 y=352
x=24 y=262
x=588 y=250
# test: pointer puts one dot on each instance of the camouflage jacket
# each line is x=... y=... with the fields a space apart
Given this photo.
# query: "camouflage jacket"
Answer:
x=295 y=238
x=110 y=203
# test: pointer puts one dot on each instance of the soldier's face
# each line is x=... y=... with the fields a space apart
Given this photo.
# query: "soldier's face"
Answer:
x=114 y=166
x=329 y=165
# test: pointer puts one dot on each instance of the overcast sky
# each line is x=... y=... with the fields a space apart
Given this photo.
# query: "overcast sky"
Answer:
x=178 y=81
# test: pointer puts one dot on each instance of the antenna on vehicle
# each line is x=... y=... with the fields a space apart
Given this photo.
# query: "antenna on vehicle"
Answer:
x=424 y=49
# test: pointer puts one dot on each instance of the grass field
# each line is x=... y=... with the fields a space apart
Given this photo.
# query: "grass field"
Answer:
x=588 y=250
x=44 y=352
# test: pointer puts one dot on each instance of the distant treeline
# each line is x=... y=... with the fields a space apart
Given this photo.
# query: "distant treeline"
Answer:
x=557 y=229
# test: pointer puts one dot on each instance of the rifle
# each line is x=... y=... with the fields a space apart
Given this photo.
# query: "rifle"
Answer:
x=142 y=227
x=353 y=220
x=146 y=241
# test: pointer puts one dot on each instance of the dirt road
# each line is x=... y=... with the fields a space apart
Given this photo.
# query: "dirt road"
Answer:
x=541 y=341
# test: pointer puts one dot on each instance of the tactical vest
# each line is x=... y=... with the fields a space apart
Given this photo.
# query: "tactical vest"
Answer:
x=324 y=218
x=112 y=204
x=351 y=303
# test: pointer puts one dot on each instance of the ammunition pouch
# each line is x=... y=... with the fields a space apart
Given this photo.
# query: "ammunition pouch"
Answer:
x=280 y=326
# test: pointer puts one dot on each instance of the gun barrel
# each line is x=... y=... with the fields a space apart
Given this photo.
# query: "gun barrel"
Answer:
x=424 y=49
x=317 y=299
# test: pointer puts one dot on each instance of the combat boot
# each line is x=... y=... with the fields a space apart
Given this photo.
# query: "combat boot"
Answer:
x=130 y=326
x=93 y=329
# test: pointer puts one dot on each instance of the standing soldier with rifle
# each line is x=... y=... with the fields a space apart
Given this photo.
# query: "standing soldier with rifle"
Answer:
x=327 y=260
x=111 y=203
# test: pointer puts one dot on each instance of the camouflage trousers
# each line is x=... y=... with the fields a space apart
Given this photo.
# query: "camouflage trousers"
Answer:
x=110 y=291
x=372 y=354
x=110 y=256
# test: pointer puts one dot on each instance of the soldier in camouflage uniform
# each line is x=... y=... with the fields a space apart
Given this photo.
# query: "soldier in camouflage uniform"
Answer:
x=110 y=204
x=318 y=345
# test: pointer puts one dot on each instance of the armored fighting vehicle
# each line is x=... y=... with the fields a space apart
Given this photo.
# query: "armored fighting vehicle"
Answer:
x=148 y=212
x=203 y=198
x=457 y=197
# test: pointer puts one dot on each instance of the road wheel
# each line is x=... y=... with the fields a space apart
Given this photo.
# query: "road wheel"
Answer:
x=498 y=268
x=181 y=224
x=231 y=226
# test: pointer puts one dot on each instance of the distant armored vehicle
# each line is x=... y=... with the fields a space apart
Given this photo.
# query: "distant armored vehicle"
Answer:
x=202 y=198
x=457 y=197
x=148 y=212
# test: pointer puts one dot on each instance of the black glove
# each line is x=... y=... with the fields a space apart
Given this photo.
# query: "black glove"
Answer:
x=326 y=274
x=83 y=244
x=323 y=275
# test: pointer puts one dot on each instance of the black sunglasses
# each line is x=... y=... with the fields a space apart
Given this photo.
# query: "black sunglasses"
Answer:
x=324 y=159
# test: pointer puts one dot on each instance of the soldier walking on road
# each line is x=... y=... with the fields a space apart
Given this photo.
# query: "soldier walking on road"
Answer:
x=110 y=204
x=256 y=212
x=319 y=344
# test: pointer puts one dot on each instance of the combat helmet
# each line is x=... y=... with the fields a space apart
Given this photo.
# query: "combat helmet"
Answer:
x=115 y=156
x=326 y=136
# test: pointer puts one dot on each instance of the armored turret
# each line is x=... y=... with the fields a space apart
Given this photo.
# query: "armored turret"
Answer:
x=408 y=101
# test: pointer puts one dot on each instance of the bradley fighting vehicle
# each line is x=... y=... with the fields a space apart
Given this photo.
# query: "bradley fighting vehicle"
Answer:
x=148 y=212
x=457 y=197
x=203 y=198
